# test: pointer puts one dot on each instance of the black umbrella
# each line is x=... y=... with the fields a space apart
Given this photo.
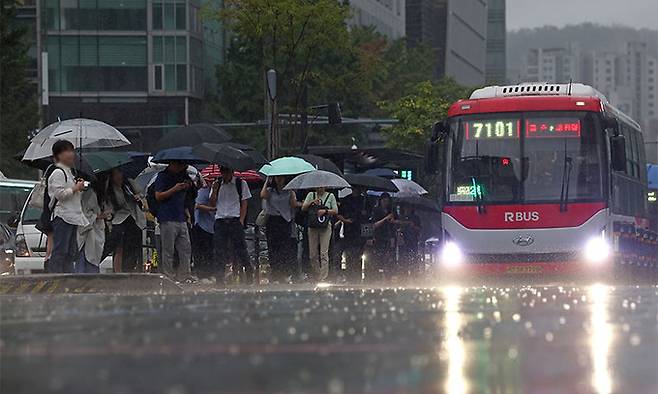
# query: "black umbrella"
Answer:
x=382 y=172
x=251 y=151
x=371 y=182
x=134 y=168
x=192 y=135
x=419 y=202
x=225 y=155
x=321 y=163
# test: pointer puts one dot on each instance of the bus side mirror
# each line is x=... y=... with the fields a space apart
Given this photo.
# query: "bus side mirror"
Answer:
x=618 y=153
x=432 y=155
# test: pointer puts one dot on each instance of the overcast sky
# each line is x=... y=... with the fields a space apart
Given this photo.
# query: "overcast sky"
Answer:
x=534 y=13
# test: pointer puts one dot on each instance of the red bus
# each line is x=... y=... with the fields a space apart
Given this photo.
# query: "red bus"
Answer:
x=541 y=178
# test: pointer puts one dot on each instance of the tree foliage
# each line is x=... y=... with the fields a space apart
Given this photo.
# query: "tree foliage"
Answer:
x=312 y=49
x=419 y=110
x=18 y=102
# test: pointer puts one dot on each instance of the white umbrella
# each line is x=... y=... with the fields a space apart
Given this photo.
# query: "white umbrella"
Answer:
x=315 y=179
x=82 y=133
x=408 y=188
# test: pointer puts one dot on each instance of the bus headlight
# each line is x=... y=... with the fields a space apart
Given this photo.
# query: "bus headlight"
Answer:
x=451 y=255
x=597 y=250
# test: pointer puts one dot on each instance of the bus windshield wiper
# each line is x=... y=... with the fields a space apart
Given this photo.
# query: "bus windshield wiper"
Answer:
x=477 y=194
x=566 y=179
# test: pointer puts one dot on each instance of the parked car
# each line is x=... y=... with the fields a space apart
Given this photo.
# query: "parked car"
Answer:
x=7 y=250
x=31 y=243
x=13 y=194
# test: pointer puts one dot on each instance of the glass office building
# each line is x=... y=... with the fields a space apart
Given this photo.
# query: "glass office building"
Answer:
x=129 y=62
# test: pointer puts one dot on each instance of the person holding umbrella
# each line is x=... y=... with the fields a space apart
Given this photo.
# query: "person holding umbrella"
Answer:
x=321 y=206
x=383 y=220
x=353 y=214
x=124 y=202
x=229 y=196
x=171 y=187
x=410 y=227
x=279 y=206
x=65 y=192
x=204 y=229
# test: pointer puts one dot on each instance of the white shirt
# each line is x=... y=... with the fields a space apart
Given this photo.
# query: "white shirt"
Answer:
x=227 y=199
x=68 y=206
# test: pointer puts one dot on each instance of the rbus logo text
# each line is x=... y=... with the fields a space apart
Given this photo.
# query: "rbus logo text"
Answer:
x=522 y=216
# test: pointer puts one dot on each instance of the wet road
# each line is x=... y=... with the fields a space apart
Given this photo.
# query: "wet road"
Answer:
x=590 y=339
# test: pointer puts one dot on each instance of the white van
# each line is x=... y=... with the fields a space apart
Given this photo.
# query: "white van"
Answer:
x=31 y=243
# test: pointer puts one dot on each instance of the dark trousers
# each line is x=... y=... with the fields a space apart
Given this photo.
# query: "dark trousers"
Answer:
x=353 y=250
x=64 y=247
x=384 y=256
x=281 y=247
x=230 y=241
x=202 y=251
x=410 y=259
x=129 y=236
x=306 y=261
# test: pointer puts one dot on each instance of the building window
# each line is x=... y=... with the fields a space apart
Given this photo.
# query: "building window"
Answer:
x=169 y=15
x=158 y=70
x=122 y=15
x=181 y=16
x=157 y=15
x=171 y=53
x=97 y=63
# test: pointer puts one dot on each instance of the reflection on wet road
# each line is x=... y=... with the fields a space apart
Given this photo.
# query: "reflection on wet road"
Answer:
x=591 y=339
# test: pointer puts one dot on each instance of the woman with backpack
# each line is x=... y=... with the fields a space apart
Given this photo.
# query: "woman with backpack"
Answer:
x=124 y=201
x=321 y=206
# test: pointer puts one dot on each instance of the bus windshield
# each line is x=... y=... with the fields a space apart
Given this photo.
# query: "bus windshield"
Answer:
x=533 y=157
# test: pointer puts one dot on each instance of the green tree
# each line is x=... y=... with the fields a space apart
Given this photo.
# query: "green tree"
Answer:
x=419 y=110
x=18 y=99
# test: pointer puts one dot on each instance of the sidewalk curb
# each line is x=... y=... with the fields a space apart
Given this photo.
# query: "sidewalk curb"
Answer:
x=88 y=284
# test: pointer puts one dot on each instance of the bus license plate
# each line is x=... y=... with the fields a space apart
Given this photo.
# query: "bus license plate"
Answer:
x=524 y=269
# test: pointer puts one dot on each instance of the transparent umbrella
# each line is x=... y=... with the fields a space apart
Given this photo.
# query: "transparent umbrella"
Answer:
x=315 y=179
x=82 y=133
x=408 y=188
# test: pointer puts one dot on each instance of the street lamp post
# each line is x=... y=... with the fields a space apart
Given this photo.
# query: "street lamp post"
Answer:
x=273 y=141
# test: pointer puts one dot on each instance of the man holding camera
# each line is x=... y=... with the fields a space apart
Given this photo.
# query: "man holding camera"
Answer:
x=65 y=192
x=171 y=187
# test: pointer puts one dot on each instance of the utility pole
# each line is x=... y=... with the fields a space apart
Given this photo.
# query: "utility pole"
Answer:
x=273 y=140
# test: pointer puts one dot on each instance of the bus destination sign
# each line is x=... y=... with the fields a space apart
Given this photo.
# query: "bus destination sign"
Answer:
x=552 y=128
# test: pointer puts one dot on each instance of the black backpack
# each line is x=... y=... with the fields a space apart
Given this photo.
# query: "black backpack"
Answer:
x=45 y=220
x=315 y=221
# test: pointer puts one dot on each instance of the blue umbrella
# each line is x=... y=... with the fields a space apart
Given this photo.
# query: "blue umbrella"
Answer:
x=183 y=154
